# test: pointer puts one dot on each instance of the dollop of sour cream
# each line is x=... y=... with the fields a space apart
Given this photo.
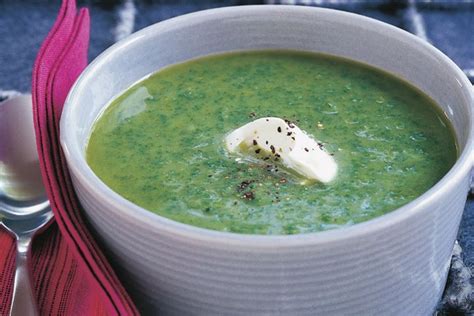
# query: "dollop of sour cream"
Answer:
x=286 y=142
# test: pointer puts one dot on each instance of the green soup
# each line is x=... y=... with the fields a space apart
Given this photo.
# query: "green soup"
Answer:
x=161 y=143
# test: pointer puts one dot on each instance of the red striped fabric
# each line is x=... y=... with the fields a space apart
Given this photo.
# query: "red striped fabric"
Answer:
x=70 y=274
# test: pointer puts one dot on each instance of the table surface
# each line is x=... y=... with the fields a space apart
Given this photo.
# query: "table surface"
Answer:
x=447 y=24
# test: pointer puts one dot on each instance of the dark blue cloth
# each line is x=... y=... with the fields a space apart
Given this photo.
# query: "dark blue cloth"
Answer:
x=448 y=24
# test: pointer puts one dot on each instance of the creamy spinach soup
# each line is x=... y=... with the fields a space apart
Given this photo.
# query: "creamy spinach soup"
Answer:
x=161 y=143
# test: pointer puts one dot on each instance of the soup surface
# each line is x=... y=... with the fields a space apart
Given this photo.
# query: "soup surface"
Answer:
x=161 y=143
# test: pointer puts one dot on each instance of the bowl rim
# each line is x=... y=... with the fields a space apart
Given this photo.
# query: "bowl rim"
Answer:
x=79 y=168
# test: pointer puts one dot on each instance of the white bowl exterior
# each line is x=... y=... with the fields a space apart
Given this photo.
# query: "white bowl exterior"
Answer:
x=393 y=265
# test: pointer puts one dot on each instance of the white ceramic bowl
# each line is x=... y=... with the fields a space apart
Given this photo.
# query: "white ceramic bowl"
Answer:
x=395 y=264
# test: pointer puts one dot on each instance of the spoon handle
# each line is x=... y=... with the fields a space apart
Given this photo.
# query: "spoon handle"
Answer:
x=23 y=302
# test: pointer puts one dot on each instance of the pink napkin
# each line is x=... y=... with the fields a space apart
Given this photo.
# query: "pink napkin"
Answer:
x=70 y=274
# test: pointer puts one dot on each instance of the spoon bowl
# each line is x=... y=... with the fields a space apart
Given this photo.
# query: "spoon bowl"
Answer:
x=24 y=208
x=20 y=210
x=32 y=218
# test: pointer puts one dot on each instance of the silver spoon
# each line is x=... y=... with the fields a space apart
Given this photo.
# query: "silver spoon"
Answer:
x=24 y=208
